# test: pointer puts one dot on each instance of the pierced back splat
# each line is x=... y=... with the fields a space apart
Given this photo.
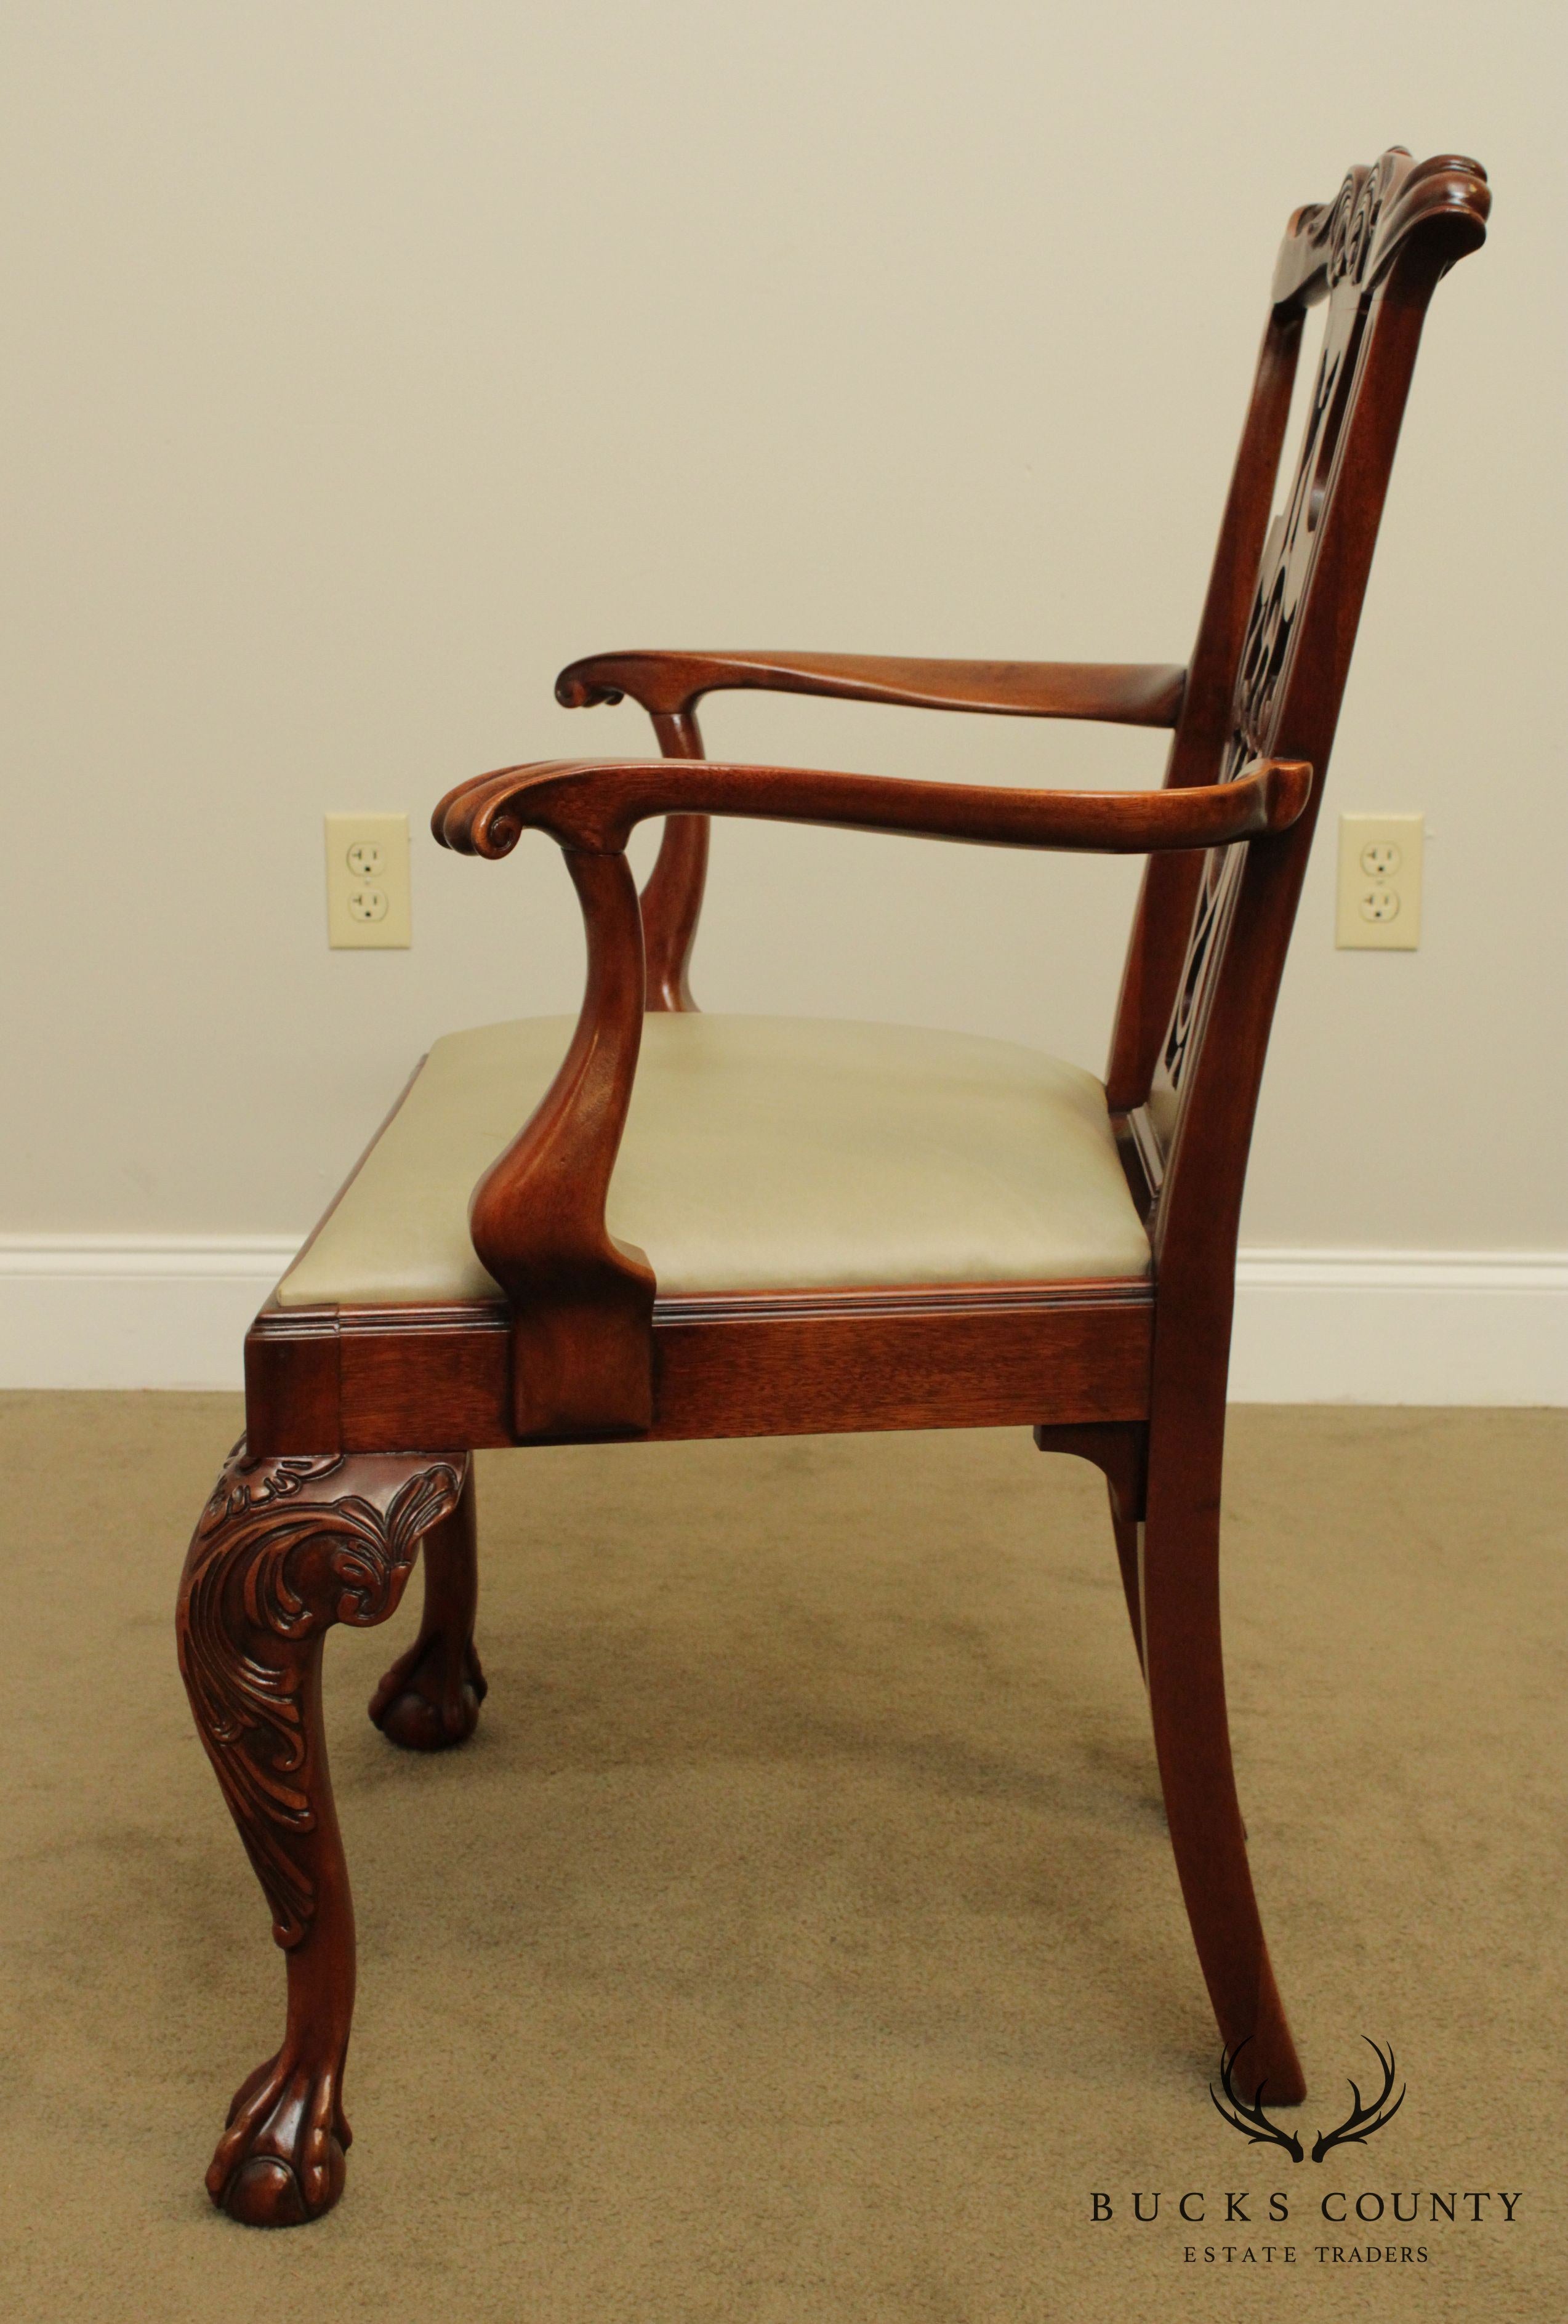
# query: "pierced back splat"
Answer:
x=1374 y=253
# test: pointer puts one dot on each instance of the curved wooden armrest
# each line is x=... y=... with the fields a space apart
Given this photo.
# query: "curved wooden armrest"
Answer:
x=591 y=806
x=668 y=683
x=582 y=1304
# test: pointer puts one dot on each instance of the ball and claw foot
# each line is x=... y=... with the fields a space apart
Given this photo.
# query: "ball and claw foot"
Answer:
x=281 y=2161
x=430 y=1698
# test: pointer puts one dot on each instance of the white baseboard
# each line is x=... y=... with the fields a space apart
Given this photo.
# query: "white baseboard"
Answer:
x=1312 y=1326
x=1400 y=1327
x=132 y=1311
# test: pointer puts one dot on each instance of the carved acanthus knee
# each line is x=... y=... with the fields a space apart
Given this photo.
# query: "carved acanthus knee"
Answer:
x=285 y=1548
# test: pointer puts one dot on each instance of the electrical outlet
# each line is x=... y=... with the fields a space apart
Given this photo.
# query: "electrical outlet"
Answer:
x=1380 y=890
x=367 y=882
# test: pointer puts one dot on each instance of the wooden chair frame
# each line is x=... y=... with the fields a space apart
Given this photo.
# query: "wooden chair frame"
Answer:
x=359 y=1421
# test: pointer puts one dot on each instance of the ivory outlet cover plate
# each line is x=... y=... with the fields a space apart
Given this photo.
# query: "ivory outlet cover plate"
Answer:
x=1378 y=906
x=368 y=883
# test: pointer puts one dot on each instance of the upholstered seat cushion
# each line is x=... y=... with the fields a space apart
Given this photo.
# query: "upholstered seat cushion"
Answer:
x=760 y=1153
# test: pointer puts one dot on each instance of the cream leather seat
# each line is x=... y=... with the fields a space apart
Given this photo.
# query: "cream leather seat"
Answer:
x=760 y=1153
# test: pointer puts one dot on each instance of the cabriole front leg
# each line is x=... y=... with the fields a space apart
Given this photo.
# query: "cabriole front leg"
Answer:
x=285 y=1548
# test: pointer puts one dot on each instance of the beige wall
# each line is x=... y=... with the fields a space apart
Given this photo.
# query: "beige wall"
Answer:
x=370 y=362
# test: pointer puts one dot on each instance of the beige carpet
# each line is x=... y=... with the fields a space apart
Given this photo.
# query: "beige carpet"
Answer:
x=798 y=1939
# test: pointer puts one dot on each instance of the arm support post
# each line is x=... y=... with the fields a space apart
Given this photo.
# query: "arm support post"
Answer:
x=582 y=1304
x=672 y=899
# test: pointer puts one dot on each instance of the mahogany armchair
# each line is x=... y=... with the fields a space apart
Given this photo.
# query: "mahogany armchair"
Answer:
x=696 y=1226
